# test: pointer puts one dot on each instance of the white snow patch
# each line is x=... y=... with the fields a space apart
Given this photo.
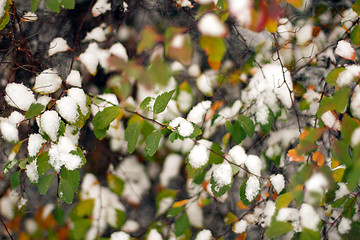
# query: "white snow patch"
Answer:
x=98 y=34
x=240 y=226
x=16 y=117
x=344 y=225
x=252 y=188
x=68 y=109
x=278 y=182
x=79 y=96
x=199 y=154
x=178 y=41
x=154 y=235
x=100 y=7
x=184 y=101
x=206 y=82
x=345 y=50
x=59 y=155
x=355 y=137
x=184 y=128
x=58 y=45
x=309 y=218
x=119 y=236
x=348 y=75
x=269 y=211
x=238 y=155
x=197 y=113
x=9 y=131
x=171 y=168
x=43 y=100
x=241 y=10
x=30 y=17
x=204 y=234
x=31 y=171
x=74 y=78
x=330 y=120
x=355 y=103
x=222 y=174
x=342 y=191
x=211 y=25
x=35 y=143
x=253 y=164
x=119 y=50
x=48 y=81
x=19 y=96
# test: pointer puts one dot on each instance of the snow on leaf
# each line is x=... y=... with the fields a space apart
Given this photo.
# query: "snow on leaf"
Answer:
x=252 y=188
x=58 y=45
x=74 y=78
x=47 y=82
x=330 y=119
x=211 y=25
x=19 y=96
x=278 y=182
x=345 y=50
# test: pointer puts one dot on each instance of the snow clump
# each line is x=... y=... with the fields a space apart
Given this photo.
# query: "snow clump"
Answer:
x=211 y=25
x=252 y=188
x=58 y=45
x=50 y=124
x=278 y=182
x=19 y=96
x=204 y=234
x=222 y=174
x=184 y=128
x=74 y=78
x=199 y=155
x=35 y=143
x=345 y=50
x=197 y=113
x=47 y=82
x=309 y=218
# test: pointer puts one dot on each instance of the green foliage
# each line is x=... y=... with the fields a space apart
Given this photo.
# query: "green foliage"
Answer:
x=132 y=133
x=15 y=180
x=35 y=109
x=115 y=183
x=152 y=142
x=277 y=229
x=103 y=119
x=162 y=101
x=44 y=183
x=68 y=185
x=182 y=223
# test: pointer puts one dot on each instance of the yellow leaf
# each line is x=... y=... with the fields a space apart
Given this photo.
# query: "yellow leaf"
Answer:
x=292 y=154
x=338 y=174
x=180 y=203
x=319 y=158
x=271 y=25
x=295 y=3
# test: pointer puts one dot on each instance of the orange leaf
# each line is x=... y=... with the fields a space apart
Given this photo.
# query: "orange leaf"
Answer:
x=303 y=135
x=319 y=158
x=180 y=203
x=242 y=236
x=292 y=154
x=241 y=205
x=271 y=25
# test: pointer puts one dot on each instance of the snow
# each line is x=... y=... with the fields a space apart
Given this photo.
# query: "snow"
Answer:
x=100 y=7
x=206 y=82
x=171 y=168
x=253 y=164
x=252 y=188
x=222 y=174
x=44 y=100
x=241 y=10
x=330 y=120
x=59 y=155
x=97 y=34
x=342 y=191
x=19 y=96
x=195 y=214
x=355 y=137
x=58 y=45
x=30 y=17
x=309 y=217
x=178 y=41
x=30 y=226
x=304 y=34
x=316 y=183
x=238 y=155
x=199 y=155
x=285 y=136
x=345 y=50
x=110 y=99
x=16 y=117
x=94 y=55
x=119 y=50
x=194 y=70
x=184 y=128
x=262 y=115
x=278 y=182
x=184 y=3
x=79 y=96
x=68 y=109
x=48 y=81
x=355 y=103
x=240 y=226
x=137 y=181
x=154 y=235
x=74 y=78
x=348 y=75
x=31 y=171
x=286 y=214
x=119 y=236
x=344 y=225
x=2 y=7
x=9 y=131
x=130 y=226
x=184 y=101
x=164 y=205
x=204 y=234
x=197 y=113
x=35 y=143
x=269 y=211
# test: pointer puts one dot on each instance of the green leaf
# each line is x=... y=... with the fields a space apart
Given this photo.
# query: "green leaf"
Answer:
x=79 y=152
x=173 y=136
x=194 y=172
x=271 y=118
x=243 y=198
x=333 y=75
x=14 y=180
x=68 y=4
x=181 y=224
x=148 y=39
x=216 y=189
x=5 y=18
x=216 y=154
x=53 y=5
x=59 y=215
x=283 y=200
x=34 y=5
x=132 y=133
x=355 y=36
x=120 y=218
x=145 y=104
x=278 y=228
x=157 y=72
x=247 y=124
x=100 y=133
x=352 y=175
x=215 y=48
x=82 y=209
x=103 y=119
x=229 y=127
x=340 y=152
x=43 y=165
x=9 y=166
x=69 y=183
x=162 y=101
x=307 y=234
x=23 y=163
x=341 y=99
x=197 y=131
x=238 y=133
x=35 y=109
x=356 y=7
x=81 y=227
x=347 y=127
x=152 y=143
x=116 y=184
x=44 y=183
x=173 y=212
